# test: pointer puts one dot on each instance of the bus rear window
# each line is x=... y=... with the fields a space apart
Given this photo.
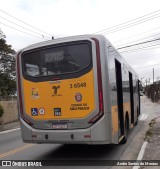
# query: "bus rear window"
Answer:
x=57 y=60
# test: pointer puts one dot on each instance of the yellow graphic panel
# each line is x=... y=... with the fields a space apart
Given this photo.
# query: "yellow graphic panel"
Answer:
x=63 y=99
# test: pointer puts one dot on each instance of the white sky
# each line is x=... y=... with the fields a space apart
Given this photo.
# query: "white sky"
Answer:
x=73 y=17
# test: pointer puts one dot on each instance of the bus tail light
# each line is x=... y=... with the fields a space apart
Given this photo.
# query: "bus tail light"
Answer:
x=100 y=91
x=19 y=88
x=87 y=136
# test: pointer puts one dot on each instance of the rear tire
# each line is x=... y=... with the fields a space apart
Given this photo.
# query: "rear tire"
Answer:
x=124 y=140
x=135 y=124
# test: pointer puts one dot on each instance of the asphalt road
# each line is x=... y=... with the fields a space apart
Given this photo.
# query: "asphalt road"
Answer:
x=12 y=147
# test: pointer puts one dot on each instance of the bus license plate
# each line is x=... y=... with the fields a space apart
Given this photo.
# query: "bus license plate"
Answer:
x=60 y=126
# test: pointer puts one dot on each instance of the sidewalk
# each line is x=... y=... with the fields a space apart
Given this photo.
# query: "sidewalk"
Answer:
x=9 y=126
x=152 y=151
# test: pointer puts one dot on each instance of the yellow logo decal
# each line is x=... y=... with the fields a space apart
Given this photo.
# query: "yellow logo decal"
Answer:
x=35 y=93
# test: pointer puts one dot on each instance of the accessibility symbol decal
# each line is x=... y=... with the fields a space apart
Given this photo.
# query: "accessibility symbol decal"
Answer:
x=34 y=111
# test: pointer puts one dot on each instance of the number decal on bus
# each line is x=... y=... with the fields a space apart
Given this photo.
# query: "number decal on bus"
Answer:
x=78 y=85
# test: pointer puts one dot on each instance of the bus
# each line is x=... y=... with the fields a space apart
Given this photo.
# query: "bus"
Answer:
x=76 y=90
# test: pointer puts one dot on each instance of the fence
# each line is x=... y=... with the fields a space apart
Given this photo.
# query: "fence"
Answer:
x=8 y=98
x=10 y=111
x=153 y=91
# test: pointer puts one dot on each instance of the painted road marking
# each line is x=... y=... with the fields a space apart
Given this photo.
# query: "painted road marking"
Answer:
x=15 y=150
x=143 y=117
x=8 y=131
x=146 y=110
x=141 y=153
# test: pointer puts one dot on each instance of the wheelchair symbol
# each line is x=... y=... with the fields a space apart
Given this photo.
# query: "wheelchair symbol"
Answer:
x=34 y=111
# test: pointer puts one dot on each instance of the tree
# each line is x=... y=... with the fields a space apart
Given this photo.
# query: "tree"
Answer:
x=7 y=68
x=2 y=34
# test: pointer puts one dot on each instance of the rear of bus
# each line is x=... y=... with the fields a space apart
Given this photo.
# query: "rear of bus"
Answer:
x=60 y=92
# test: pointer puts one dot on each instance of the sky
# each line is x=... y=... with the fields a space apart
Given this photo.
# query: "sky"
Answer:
x=61 y=18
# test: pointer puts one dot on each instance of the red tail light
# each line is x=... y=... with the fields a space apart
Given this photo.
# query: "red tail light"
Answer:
x=19 y=88
x=100 y=101
x=87 y=136
x=100 y=91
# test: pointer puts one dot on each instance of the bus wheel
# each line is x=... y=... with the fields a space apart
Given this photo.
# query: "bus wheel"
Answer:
x=124 y=140
x=135 y=124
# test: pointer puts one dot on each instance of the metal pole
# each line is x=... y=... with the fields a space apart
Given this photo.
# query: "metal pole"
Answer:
x=146 y=82
x=141 y=79
x=153 y=75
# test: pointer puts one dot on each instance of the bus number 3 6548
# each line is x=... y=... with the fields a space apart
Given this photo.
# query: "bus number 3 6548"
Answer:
x=78 y=85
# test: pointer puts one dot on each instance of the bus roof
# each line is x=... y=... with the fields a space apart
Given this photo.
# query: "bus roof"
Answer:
x=73 y=38
x=62 y=40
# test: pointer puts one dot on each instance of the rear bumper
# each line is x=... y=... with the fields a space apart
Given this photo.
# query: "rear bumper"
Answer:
x=93 y=135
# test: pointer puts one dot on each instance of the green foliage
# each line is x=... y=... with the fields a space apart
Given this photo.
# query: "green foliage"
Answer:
x=1 y=111
x=7 y=59
x=7 y=69
x=7 y=85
